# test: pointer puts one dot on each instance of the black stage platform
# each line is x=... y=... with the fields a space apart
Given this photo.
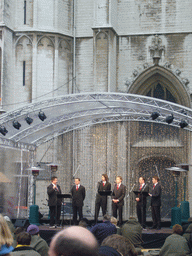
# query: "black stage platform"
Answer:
x=151 y=238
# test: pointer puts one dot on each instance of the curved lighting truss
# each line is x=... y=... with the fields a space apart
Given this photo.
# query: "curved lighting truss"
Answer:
x=75 y=111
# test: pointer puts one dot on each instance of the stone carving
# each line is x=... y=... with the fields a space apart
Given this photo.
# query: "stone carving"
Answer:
x=156 y=49
x=135 y=73
x=177 y=72
x=185 y=81
x=167 y=65
x=145 y=65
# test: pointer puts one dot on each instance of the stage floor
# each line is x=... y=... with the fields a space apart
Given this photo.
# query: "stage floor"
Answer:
x=152 y=238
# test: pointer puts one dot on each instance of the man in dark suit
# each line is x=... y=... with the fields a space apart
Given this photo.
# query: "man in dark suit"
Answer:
x=54 y=202
x=156 y=203
x=101 y=200
x=78 y=196
x=142 y=201
x=118 y=198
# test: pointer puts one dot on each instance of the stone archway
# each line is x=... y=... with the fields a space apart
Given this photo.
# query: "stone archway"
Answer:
x=158 y=74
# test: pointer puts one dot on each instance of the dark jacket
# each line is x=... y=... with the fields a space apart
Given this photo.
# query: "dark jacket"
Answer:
x=156 y=195
x=78 y=196
x=101 y=189
x=102 y=230
x=141 y=196
x=52 y=193
x=119 y=194
x=24 y=251
x=133 y=231
x=40 y=245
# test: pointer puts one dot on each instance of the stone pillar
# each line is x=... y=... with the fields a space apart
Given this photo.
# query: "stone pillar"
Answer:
x=34 y=68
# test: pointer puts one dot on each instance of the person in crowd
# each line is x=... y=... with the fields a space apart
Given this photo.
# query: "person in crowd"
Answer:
x=78 y=196
x=132 y=230
x=187 y=233
x=6 y=239
x=17 y=231
x=156 y=203
x=142 y=202
x=101 y=197
x=120 y=244
x=38 y=243
x=74 y=241
x=10 y=224
x=108 y=251
x=54 y=202
x=23 y=246
x=83 y=223
x=118 y=199
x=175 y=244
x=114 y=222
x=186 y=225
x=104 y=229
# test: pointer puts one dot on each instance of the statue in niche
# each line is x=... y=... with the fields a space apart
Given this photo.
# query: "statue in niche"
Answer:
x=156 y=49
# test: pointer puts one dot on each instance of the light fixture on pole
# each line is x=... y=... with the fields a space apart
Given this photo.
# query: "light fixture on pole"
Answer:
x=34 y=209
x=54 y=167
x=185 y=209
x=175 y=211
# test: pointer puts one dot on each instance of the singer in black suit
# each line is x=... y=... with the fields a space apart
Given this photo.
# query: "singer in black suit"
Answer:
x=101 y=200
x=54 y=203
x=118 y=199
x=156 y=203
x=78 y=196
x=142 y=201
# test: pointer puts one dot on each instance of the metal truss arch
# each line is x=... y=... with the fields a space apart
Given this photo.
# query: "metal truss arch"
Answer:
x=75 y=111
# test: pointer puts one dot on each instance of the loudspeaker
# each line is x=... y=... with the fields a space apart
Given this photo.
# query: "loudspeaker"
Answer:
x=21 y=223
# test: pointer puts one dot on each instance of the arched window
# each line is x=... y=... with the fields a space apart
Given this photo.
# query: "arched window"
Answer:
x=160 y=92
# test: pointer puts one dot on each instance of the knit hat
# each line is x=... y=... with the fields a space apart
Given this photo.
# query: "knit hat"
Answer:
x=33 y=229
x=5 y=249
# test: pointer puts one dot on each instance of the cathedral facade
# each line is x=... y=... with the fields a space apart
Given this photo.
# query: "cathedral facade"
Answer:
x=53 y=48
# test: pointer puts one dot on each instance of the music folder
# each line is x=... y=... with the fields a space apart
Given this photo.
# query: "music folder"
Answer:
x=64 y=195
x=138 y=192
x=105 y=193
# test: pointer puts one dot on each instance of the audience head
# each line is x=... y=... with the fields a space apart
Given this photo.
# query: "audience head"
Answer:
x=24 y=238
x=106 y=217
x=19 y=230
x=113 y=220
x=74 y=241
x=177 y=229
x=121 y=244
x=83 y=223
x=5 y=233
x=33 y=230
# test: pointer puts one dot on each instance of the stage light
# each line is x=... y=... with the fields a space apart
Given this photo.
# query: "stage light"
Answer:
x=3 y=130
x=29 y=120
x=42 y=116
x=169 y=119
x=16 y=125
x=155 y=115
x=183 y=124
